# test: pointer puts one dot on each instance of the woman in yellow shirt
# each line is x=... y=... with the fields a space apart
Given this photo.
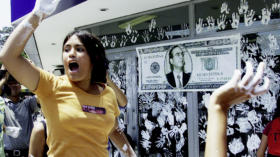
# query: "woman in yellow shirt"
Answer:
x=80 y=109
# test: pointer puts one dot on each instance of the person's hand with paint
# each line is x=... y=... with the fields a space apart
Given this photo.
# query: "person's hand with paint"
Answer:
x=44 y=8
x=235 y=91
x=238 y=90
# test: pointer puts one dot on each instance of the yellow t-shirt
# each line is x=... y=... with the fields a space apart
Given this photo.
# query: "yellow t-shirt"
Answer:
x=78 y=123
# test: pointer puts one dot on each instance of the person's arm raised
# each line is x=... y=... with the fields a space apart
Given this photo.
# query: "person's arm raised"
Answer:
x=233 y=92
x=10 y=55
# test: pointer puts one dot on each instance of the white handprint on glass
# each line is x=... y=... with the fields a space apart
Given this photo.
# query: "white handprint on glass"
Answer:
x=114 y=41
x=224 y=8
x=128 y=29
x=235 y=20
x=243 y=8
x=211 y=23
x=152 y=25
x=104 y=41
x=265 y=16
x=221 y=22
x=248 y=18
x=199 y=26
x=253 y=142
x=236 y=146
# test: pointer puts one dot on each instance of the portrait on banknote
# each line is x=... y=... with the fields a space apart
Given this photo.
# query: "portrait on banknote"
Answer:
x=190 y=65
x=177 y=66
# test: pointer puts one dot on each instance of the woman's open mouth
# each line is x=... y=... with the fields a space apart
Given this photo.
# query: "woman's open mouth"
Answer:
x=73 y=67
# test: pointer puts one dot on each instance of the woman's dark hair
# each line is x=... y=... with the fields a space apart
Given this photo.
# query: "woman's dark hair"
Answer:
x=96 y=52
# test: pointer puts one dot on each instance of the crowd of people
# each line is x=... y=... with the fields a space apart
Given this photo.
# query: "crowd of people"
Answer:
x=81 y=107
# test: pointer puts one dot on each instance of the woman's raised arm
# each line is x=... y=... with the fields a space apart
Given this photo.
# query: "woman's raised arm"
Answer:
x=236 y=91
x=10 y=55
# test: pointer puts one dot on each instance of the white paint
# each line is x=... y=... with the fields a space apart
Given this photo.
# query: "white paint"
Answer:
x=254 y=48
x=28 y=29
x=273 y=44
x=46 y=7
x=224 y=8
x=261 y=89
x=236 y=146
x=236 y=79
x=243 y=8
x=266 y=13
x=27 y=24
x=248 y=18
x=221 y=22
x=39 y=14
x=235 y=20
x=252 y=84
x=211 y=23
x=251 y=89
x=248 y=76
x=253 y=142
x=124 y=148
x=199 y=26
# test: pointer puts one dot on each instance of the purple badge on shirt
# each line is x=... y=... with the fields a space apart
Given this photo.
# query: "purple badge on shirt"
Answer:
x=93 y=109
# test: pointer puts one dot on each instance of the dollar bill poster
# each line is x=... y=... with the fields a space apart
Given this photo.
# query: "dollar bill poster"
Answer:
x=190 y=65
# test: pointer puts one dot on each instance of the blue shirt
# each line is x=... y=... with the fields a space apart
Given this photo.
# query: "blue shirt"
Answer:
x=19 y=115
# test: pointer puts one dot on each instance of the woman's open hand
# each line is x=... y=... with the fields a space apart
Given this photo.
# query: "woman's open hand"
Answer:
x=44 y=8
x=238 y=90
